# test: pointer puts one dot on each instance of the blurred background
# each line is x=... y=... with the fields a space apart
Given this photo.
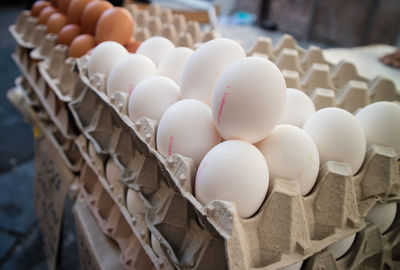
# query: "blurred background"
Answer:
x=340 y=23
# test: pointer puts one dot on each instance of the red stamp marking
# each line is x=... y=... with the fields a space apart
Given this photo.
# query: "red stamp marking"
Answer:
x=131 y=87
x=221 y=106
x=171 y=142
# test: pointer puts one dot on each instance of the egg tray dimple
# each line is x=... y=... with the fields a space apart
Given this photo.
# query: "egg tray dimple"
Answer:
x=308 y=232
x=108 y=206
x=370 y=250
x=328 y=85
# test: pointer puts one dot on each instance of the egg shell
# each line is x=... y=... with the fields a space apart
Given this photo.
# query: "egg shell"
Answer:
x=105 y=55
x=338 y=136
x=75 y=10
x=114 y=24
x=171 y=65
x=38 y=6
x=155 y=244
x=152 y=97
x=291 y=154
x=249 y=99
x=186 y=128
x=68 y=33
x=381 y=124
x=233 y=171
x=81 y=45
x=91 y=14
x=45 y=14
x=113 y=173
x=383 y=215
x=63 y=5
x=296 y=266
x=298 y=108
x=56 y=22
x=340 y=247
x=202 y=70
x=128 y=72
x=155 y=48
x=132 y=45
x=134 y=203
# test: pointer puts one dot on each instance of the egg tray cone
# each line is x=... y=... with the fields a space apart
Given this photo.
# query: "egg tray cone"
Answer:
x=328 y=85
x=315 y=221
x=370 y=250
x=107 y=204
x=38 y=115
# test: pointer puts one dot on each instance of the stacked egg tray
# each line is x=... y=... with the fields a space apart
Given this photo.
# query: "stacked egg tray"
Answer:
x=287 y=228
x=328 y=85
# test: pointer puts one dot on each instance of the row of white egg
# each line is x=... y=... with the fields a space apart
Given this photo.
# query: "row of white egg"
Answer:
x=248 y=98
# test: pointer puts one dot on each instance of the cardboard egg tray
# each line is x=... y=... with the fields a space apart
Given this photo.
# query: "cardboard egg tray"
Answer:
x=35 y=114
x=55 y=107
x=288 y=227
x=107 y=203
x=370 y=250
x=328 y=85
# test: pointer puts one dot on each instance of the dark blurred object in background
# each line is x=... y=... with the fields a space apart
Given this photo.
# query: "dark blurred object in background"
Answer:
x=339 y=23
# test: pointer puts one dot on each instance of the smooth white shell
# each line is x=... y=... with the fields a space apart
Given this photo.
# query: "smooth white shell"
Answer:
x=234 y=171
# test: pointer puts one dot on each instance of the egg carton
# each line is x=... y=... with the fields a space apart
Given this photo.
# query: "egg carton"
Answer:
x=311 y=226
x=370 y=250
x=39 y=116
x=328 y=85
x=158 y=21
x=107 y=202
x=55 y=107
x=96 y=250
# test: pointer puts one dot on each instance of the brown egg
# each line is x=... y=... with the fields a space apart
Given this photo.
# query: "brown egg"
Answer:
x=56 y=22
x=115 y=24
x=38 y=6
x=81 y=45
x=75 y=10
x=63 y=5
x=45 y=14
x=91 y=15
x=68 y=34
x=54 y=3
x=132 y=45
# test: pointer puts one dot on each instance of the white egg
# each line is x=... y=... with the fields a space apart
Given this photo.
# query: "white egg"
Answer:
x=291 y=154
x=298 y=108
x=187 y=128
x=205 y=65
x=171 y=65
x=295 y=266
x=128 y=72
x=340 y=247
x=381 y=124
x=152 y=97
x=134 y=203
x=233 y=171
x=338 y=136
x=113 y=173
x=155 y=48
x=249 y=99
x=155 y=244
x=105 y=56
x=383 y=215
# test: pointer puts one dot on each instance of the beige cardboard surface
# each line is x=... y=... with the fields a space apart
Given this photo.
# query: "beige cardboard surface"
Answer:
x=52 y=180
x=96 y=250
